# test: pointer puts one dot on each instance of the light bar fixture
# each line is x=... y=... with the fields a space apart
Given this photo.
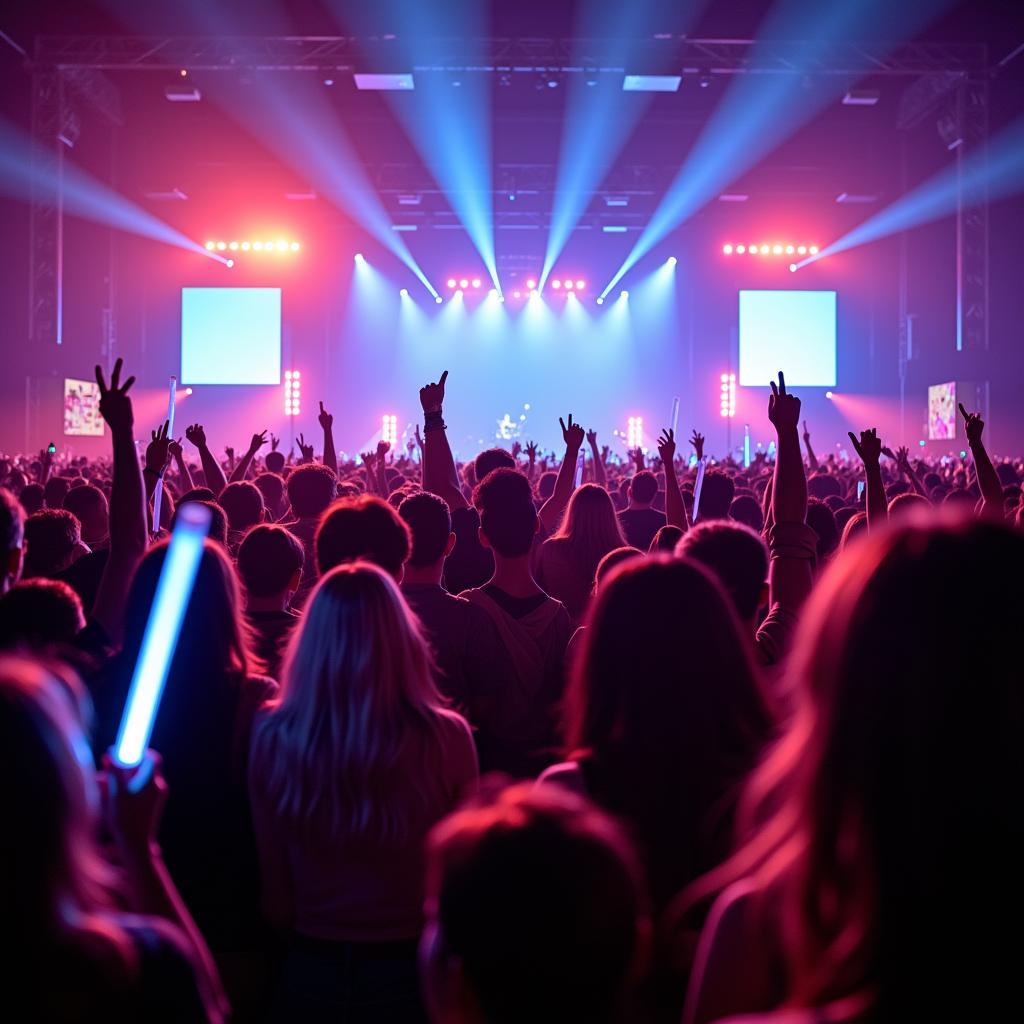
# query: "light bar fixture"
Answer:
x=651 y=83
x=769 y=249
x=272 y=245
x=384 y=83
x=292 y=393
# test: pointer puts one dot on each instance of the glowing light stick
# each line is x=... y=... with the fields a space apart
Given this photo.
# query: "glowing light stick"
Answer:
x=579 y=469
x=701 y=466
x=158 y=494
x=675 y=414
x=173 y=591
x=746 y=446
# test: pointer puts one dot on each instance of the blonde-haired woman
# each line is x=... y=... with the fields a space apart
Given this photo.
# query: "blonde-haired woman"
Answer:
x=349 y=771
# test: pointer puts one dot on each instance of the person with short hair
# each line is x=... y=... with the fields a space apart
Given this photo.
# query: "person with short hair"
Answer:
x=269 y=565
x=53 y=540
x=367 y=529
x=640 y=520
x=12 y=539
x=536 y=912
x=242 y=502
x=40 y=613
x=311 y=489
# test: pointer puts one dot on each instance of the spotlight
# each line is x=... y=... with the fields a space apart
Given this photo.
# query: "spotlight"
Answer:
x=188 y=391
x=556 y=284
x=404 y=292
x=451 y=282
x=458 y=293
x=623 y=294
x=828 y=395
x=792 y=268
x=233 y=246
x=600 y=300
x=580 y=285
x=777 y=249
x=801 y=250
x=257 y=246
x=813 y=250
x=531 y=284
x=246 y=247
x=464 y=283
x=230 y=264
x=438 y=299
x=183 y=73
x=210 y=246
x=568 y=286
x=476 y=282
x=789 y=250
x=741 y=249
x=671 y=261
x=359 y=258
x=727 y=249
x=493 y=293
x=764 y=250
x=221 y=246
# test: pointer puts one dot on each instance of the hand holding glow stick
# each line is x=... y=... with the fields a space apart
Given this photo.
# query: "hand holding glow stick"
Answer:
x=170 y=602
x=158 y=493
x=675 y=414
x=579 y=469
x=701 y=466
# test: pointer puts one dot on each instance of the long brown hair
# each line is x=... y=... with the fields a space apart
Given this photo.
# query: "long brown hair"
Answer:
x=358 y=690
x=589 y=529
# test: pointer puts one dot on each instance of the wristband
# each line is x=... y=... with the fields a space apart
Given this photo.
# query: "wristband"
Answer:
x=433 y=421
x=147 y=469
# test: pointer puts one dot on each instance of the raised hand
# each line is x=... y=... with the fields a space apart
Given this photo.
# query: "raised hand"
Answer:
x=571 y=434
x=158 y=448
x=637 y=455
x=274 y=442
x=134 y=801
x=230 y=453
x=605 y=451
x=667 y=446
x=592 y=438
x=305 y=449
x=418 y=437
x=807 y=434
x=196 y=435
x=697 y=440
x=432 y=395
x=115 y=405
x=869 y=447
x=258 y=441
x=531 y=451
x=325 y=419
x=174 y=449
x=783 y=408
x=383 y=447
x=974 y=425
x=516 y=449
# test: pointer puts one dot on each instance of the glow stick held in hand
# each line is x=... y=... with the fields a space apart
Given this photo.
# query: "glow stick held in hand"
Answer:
x=675 y=414
x=170 y=602
x=579 y=469
x=701 y=466
x=158 y=493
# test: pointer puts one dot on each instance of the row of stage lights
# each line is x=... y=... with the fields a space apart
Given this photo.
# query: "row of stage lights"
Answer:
x=567 y=284
x=292 y=393
x=778 y=249
x=281 y=245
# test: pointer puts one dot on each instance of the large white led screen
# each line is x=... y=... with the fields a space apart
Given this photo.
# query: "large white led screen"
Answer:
x=792 y=331
x=231 y=335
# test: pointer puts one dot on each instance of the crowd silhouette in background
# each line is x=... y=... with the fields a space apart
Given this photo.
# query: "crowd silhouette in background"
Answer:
x=480 y=743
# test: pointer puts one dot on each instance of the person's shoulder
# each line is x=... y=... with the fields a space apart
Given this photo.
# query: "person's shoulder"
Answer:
x=566 y=774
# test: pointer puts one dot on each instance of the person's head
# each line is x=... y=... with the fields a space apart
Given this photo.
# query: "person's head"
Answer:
x=311 y=489
x=746 y=509
x=612 y=560
x=271 y=486
x=357 y=657
x=214 y=640
x=55 y=491
x=49 y=799
x=888 y=818
x=270 y=562
x=590 y=527
x=546 y=485
x=274 y=461
x=908 y=504
x=856 y=526
x=1007 y=474
x=490 y=460
x=197 y=494
x=12 y=539
x=643 y=488
x=243 y=505
x=89 y=506
x=40 y=613
x=218 y=530
x=824 y=485
x=536 y=911
x=646 y=715
x=430 y=523
x=665 y=540
x=737 y=556
x=822 y=521
x=508 y=518
x=363 y=529
x=31 y=498
x=716 y=495
x=53 y=539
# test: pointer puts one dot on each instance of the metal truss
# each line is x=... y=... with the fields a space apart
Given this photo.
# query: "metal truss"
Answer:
x=49 y=116
x=658 y=55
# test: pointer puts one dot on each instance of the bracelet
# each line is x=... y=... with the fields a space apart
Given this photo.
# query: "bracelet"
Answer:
x=433 y=421
x=147 y=469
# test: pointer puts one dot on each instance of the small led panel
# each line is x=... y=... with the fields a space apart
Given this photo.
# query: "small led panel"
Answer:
x=231 y=335
x=788 y=330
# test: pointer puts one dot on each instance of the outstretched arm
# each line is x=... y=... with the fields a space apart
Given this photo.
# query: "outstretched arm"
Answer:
x=327 y=424
x=215 y=478
x=531 y=454
x=600 y=477
x=902 y=459
x=383 y=447
x=675 y=510
x=257 y=442
x=988 y=479
x=551 y=511
x=812 y=459
x=128 y=537
x=440 y=476
x=869 y=448
x=184 y=473
x=157 y=453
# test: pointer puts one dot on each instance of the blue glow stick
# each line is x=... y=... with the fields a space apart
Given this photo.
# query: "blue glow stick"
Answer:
x=675 y=414
x=158 y=494
x=173 y=590
x=701 y=466
x=579 y=469
x=746 y=446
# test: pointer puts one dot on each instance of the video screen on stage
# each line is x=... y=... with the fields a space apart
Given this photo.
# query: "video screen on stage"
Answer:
x=793 y=331
x=942 y=411
x=231 y=335
x=82 y=408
